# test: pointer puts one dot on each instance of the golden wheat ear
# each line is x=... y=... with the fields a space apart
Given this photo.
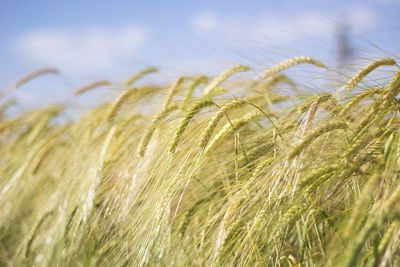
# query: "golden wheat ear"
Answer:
x=145 y=140
x=217 y=117
x=292 y=62
x=222 y=77
x=34 y=75
x=172 y=91
x=91 y=86
x=229 y=127
x=167 y=108
x=189 y=91
x=139 y=75
x=116 y=105
x=5 y=106
x=29 y=77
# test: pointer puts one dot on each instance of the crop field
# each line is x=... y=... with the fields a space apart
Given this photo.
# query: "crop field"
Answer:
x=244 y=168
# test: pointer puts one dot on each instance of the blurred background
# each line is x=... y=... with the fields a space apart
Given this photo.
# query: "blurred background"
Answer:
x=96 y=40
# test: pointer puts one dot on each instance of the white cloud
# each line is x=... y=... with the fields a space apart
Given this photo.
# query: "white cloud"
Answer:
x=361 y=18
x=81 y=50
x=204 y=21
x=280 y=29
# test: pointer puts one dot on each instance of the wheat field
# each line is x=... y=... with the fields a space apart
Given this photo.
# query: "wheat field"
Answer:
x=191 y=174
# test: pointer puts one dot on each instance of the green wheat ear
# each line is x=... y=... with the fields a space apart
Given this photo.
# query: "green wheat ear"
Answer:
x=167 y=108
x=229 y=127
x=368 y=69
x=145 y=140
x=357 y=99
x=196 y=108
x=217 y=117
x=330 y=126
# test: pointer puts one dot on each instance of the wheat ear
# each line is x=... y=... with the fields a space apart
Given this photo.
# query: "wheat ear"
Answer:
x=322 y=99
x=310 y=115
x=316 y=175
x=260 y=166
x=34 y=75
x=172 y=91
x=5 y=106
x=144 y=141
x=278 y=78
x=368 y=69
x=358 y=98
x=189 y=92
x=115 y=106
x=27 y=78
x=361 y=206
x=165 y=110
x=222 y=77
x=383 y=244
x=292 y=62
x=36 y=230
x=392 y=90
x=185 y=122
x=91 y=86
x=313 y=135
x=215 y=119
x=236 y=124
x=139 y=75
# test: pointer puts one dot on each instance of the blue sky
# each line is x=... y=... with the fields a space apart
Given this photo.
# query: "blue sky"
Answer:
x=91 y=40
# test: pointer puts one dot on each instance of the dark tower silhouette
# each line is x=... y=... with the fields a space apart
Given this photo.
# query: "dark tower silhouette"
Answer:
x=345 y=52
